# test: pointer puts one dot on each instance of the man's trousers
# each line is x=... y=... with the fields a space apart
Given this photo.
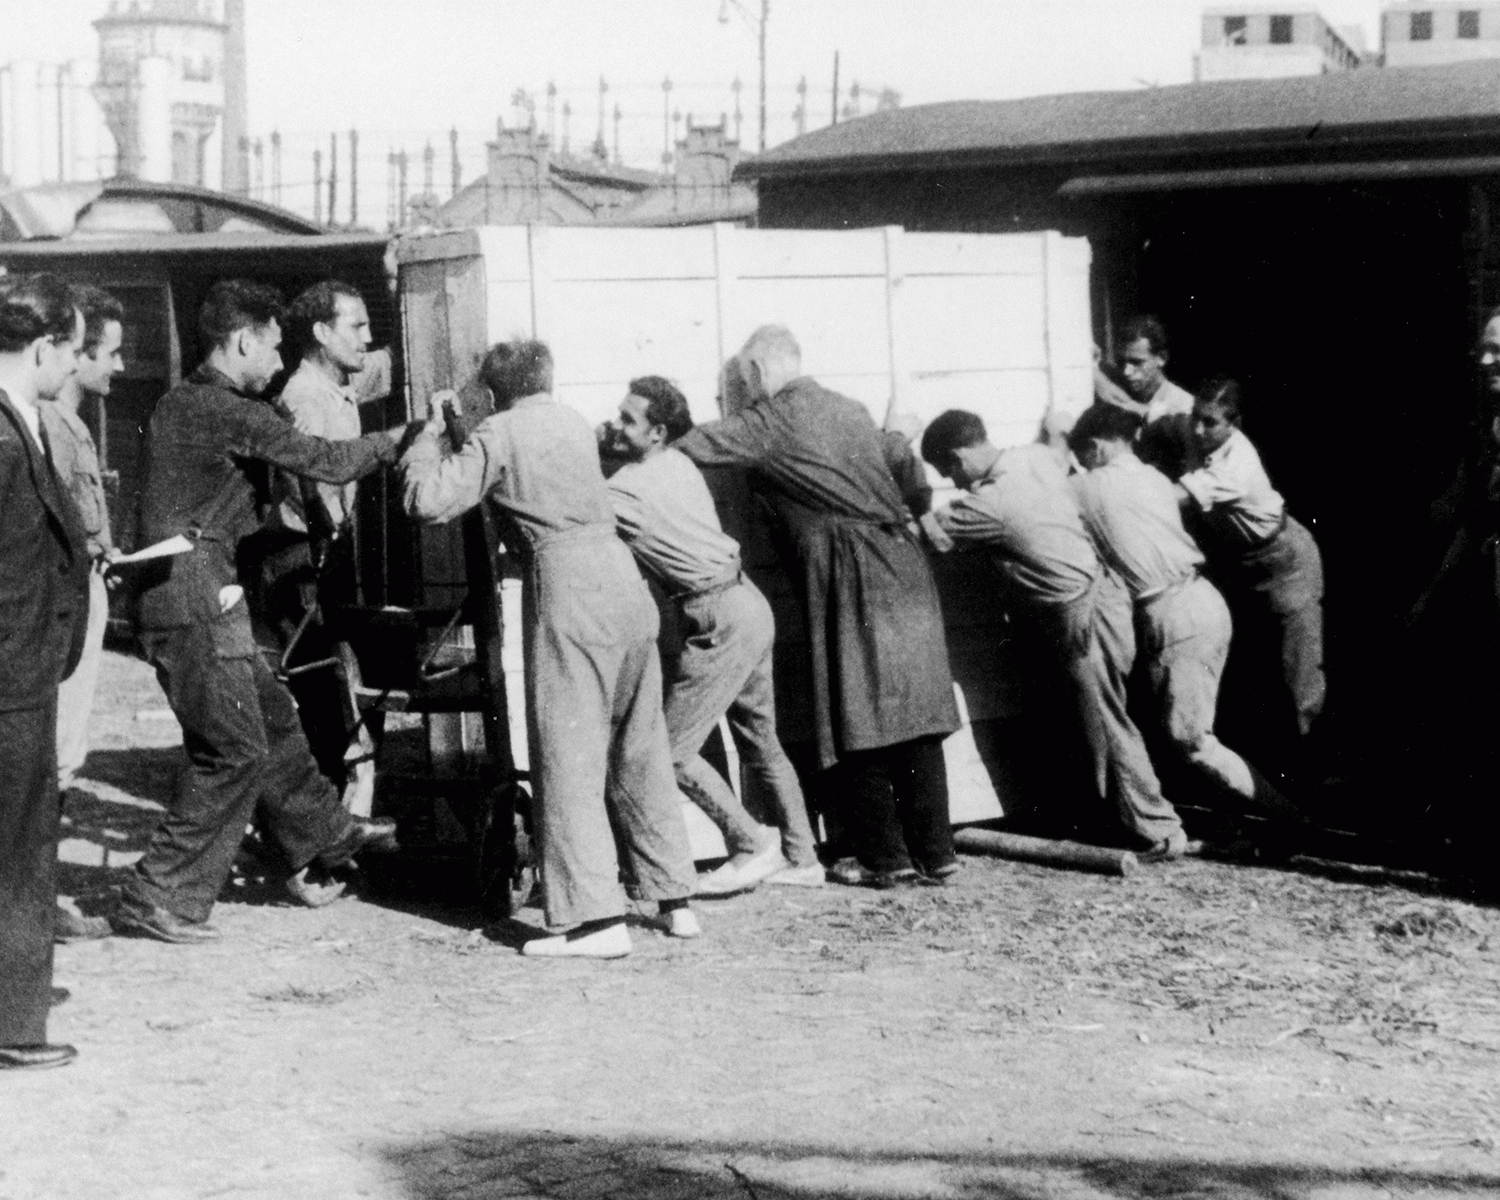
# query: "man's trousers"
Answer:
x=725 y=668
x=75 y=695
x=248 y=760
x=895 y=806
x=1093 y=638
x=600 y=759
x=1184 y=635
x=28 y=870
x=1276 y=682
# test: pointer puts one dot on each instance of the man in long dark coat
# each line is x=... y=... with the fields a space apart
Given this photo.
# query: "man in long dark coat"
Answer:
x=882 y=689
x=44 y=568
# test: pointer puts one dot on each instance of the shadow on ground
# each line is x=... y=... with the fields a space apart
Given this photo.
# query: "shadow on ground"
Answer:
x=145 y=772
x=551 y=1165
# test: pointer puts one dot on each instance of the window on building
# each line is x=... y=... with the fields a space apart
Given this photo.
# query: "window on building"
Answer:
x=1235 y=33
x=1281 y=31
x=1468 y=22
x=1421 y=27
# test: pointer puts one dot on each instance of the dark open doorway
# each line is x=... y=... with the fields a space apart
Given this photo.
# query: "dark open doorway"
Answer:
x=1345 y=312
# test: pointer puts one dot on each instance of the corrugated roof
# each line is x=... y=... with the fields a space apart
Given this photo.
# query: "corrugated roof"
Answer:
x=1342 y=108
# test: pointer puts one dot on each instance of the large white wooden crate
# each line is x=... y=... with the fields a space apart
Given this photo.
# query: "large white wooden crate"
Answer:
x=915 y=322
x=909 y=324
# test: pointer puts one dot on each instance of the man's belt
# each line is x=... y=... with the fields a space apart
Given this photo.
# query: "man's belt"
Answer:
x=718 y=585
x=1253 y=548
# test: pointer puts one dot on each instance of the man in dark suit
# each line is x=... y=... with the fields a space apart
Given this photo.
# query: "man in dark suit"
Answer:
x=209 y=451
x=44 y=568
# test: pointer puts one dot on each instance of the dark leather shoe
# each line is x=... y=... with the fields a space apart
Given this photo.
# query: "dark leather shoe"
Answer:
x=375 y=835
x=68 y=926
x=162 y=925
x=35 y=1058
x=59 y=994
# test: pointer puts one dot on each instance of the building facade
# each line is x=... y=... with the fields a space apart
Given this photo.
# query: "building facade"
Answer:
x=527 y=182
x=1264 y=43
x=161 y=85
x=1425 y=34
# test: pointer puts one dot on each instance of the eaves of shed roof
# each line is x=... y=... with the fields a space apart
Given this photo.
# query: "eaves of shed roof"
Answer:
x=1335 y=113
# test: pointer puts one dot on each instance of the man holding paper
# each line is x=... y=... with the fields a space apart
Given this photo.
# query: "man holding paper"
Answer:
x=209 y=449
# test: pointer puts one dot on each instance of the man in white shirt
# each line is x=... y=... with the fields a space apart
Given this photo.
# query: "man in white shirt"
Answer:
x=1017 y=507
x=313 y=556
x=330 y=325
x=1166 y=439
x=76 y=461
x=1183 y=625
x=1267 y=565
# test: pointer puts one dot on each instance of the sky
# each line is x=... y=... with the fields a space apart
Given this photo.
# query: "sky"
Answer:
x=406 y=71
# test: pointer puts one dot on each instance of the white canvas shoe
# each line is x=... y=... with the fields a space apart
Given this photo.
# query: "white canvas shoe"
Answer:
x=812 y=875
x=763 y=864
x=681 y=923
x=613 y=941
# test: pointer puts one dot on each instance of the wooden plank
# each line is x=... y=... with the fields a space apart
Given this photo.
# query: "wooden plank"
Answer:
x=436 y=246
x=539 y=255
x=603 y=337
x=424 y=325
x=506 y=252
x=726 y=277
x=1068 y=323
x=840 y=322
x=896 y=324
x=579 y=253
x=975 y=322
x=1011 y=403
x=812 y=254
x=509 y=310
x=467 y=298
x=948 y=254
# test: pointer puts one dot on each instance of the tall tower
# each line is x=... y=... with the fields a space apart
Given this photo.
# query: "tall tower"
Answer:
x=161 y=85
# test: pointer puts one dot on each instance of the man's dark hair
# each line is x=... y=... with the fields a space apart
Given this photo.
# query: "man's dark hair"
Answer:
x=235 y=304
x=1107 y=422
x=1225 y=393
x=665 y=405
x=1147 y=327
x=950 y=431
x=512 y=370
x=99 y=308
x=35 y=306
x=312 y=305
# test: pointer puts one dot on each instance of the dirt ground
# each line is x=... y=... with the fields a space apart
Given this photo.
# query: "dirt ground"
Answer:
x=1198 y=1030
